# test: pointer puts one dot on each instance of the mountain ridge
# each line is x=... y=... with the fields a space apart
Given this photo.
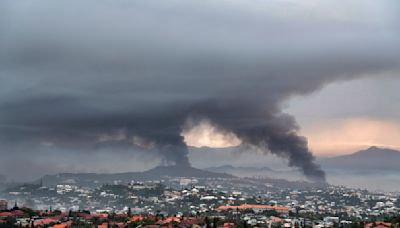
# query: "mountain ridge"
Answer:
x=372 y=158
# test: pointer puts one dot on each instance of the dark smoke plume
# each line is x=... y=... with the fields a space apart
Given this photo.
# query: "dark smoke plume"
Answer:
x=264 y=128
x=85 y=75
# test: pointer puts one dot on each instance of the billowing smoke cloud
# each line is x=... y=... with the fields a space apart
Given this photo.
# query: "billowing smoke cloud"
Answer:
x=86 y=74
x=275 y=134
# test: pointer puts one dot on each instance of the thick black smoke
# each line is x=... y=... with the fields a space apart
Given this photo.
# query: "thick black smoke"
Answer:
x=84 y=75
x=264 y=128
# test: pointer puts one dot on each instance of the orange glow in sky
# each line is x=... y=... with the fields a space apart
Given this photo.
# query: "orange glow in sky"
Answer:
x=327 y=138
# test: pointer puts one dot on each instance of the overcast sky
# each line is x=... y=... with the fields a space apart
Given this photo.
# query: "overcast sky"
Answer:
x=84 y=81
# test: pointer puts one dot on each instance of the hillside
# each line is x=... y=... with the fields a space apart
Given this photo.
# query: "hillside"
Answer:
x=156 y=173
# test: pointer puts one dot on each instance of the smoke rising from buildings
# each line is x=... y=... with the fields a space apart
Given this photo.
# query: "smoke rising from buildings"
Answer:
x=82 y=75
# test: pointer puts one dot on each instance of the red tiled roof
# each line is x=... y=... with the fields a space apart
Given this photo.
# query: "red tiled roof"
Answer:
x=378 y=224
x=44 y=221
x=63 y=225
x=100 y=215
x=191 y=221
x=85 y=215
x=227 y=225
x=171 y=219
x=103 y=225
x=136 y=218
x=6 y=214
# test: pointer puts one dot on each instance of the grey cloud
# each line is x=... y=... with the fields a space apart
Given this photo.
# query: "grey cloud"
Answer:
x=74 y=70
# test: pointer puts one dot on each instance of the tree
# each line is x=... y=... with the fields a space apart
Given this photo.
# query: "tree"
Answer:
x=215 y=222
x=207 y=221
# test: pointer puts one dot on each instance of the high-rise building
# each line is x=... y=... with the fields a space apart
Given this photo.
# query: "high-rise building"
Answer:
x=3 y=205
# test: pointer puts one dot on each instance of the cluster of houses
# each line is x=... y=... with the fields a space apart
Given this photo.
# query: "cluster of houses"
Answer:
x=245 y=215
x=241 y=204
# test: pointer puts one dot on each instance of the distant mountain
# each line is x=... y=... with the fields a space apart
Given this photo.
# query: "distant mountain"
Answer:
x=258 y=172
x=175 y=171
x=241 y=171
x=157 y=173
x=373 y=158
